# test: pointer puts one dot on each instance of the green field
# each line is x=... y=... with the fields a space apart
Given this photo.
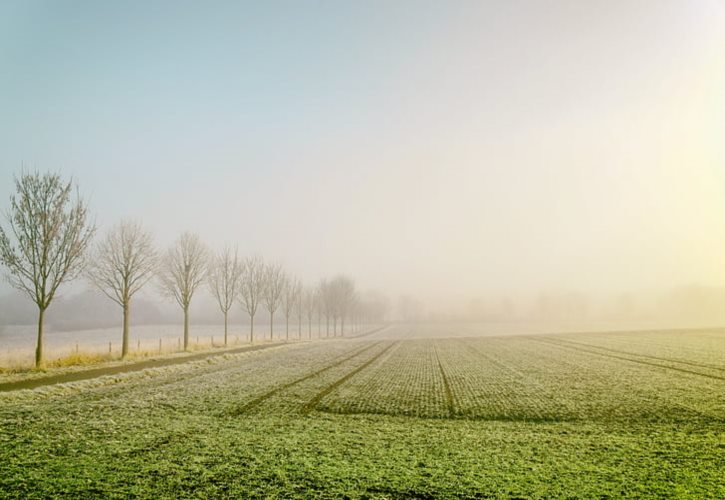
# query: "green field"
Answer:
x=420 y=411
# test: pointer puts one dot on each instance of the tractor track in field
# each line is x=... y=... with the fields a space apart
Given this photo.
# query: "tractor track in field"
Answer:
x=87 y=374
x=179 y=435
x=367 y=334
x=647 y=356
x=614 y=356
x=131 y=367
x=450 y=401
x=246 y=407
x=312 y=403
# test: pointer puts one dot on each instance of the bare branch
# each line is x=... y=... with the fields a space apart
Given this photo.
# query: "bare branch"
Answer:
x=225 y=278
x=252 y=285
x=48 y=234
x=274 y=284
x=183 y=269
x=290 y=294
x=123 y=262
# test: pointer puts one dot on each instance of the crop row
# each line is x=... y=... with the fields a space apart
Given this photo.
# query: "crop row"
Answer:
x=595 y=386
x=498 y=378
x=525 y=378
x=407 y=381
x=697 y=349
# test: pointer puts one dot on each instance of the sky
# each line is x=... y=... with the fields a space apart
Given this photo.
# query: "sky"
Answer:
x=440 y=149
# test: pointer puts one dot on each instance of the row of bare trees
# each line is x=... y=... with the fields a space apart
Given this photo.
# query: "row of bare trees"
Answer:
x=125 y=260
x=48 y=241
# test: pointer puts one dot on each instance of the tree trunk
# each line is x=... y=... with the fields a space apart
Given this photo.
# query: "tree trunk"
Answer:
x=287 y=328
x=186 y=328
x=334 y=326
x=299 y=327
x=342 y=326
x=225 y=329
x=327 y=326
x=309 y=327
x=271 y=326
x=39 y=347
x=251 y=329
x=124 y=340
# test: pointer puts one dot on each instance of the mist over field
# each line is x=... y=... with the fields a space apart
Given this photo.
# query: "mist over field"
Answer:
x=362 y=249
x=469 y=156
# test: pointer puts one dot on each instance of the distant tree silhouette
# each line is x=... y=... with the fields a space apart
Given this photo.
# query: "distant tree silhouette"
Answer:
x=224 y=277
x=290 y=296
x=252 y=288
x=182 y=270
x=123 y=262
x=274 y=283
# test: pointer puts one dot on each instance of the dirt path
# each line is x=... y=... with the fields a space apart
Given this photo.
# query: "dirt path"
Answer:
x=113 y=370
x=63 y=378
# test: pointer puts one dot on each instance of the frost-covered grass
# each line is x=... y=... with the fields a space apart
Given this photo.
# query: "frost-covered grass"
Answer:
x=540 y=378
x=389 y=417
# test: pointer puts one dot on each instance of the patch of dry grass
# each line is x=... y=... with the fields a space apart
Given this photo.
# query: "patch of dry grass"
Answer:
x=80 y=358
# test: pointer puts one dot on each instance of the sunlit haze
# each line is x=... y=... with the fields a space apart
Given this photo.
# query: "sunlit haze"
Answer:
x=450 y=151
x=365 y=249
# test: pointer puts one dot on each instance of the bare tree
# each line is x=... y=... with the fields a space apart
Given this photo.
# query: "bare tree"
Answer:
x=123 y=262
x=343 y=296
x=274 y=283
x=299 y=309
x=290 y=295
x=252 y=288
x=327 y=303
x=48 y=234
x=319 y=308
x=182 y=271
x=353 y=311
x=309 y=304
x=224 y=277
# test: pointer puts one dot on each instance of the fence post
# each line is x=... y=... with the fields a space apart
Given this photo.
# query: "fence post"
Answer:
x=159 y=345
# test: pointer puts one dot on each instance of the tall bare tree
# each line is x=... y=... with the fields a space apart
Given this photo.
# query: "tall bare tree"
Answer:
x=299 y=309
x=319 y=307
x=343 y=290
x=45 y=241
x=274 y=283
x=224 y=277
x=327 y=303
x=309 y=304
x=182 y=271
x=290 y=295
x=252 y=288
x=123 y=262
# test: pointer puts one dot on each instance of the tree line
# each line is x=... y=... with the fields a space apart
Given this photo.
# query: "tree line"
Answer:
x=48 y=240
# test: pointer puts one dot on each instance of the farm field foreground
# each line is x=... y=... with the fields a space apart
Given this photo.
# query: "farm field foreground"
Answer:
x=424 y=411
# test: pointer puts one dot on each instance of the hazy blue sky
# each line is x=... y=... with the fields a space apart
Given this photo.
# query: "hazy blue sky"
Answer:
x=436 y=148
